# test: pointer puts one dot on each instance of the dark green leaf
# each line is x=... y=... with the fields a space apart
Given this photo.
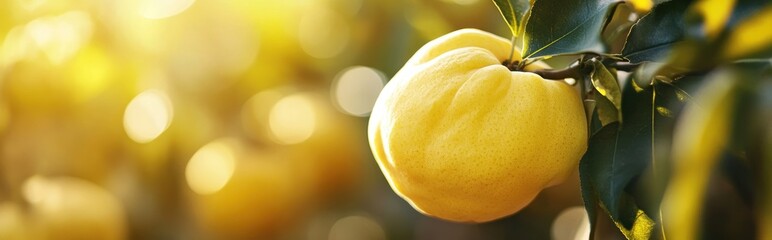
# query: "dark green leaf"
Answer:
x=522 y=9
x=745 y=8
x=650 y=186
x=596 y=179
x=591 y=170
x=562 y=26
x=513 y=12
x=617 y=155
x=652 y=37
x=508 y=12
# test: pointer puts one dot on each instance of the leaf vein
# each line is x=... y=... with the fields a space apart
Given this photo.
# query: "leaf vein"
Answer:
x=564 y=35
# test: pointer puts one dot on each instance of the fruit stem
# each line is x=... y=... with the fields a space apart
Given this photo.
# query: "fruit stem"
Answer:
x=574 y=71
x=511 y=50
x=582 y=66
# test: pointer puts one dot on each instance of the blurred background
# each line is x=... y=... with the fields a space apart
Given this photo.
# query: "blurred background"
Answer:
x=228 y=119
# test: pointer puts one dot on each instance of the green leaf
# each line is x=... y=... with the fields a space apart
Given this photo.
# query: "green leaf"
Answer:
x=664 y=111
x=642 y=227
x=617 y=155
x=562 y=26
x=649 y=187
x=513 y=14
x=652 y=37
x=522 y=12
x=607 y=112
x=607 y=85
x=506 y=10
x=596 y=180
x=591 y=171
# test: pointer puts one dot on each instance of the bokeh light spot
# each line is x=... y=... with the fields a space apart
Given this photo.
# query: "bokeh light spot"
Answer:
x=36 y=189
x=292 y=120
x=356 y=228
x=463 y=2
x=356 y=89
x=211 y=167
x=157 y=9
x=17 y=46
x=147 y=116
x=58 y=37
x=91 y=72
x=572 y=223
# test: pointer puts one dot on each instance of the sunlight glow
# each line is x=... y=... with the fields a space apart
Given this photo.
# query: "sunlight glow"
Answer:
x=57 y=37
x=211 y=167
x=571 y=224
x=356 y=89
x=157 y=9
x=356 y=228
x=147 y=116
x=293 y=119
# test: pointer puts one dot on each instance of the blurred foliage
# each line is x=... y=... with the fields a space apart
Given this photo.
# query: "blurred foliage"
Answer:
x=683 y=126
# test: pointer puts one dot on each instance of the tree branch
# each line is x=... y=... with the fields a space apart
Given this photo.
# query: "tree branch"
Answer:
x=574 y=71
x=623 y=66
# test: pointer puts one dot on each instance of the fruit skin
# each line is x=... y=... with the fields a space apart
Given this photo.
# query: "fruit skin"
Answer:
x=462 y=138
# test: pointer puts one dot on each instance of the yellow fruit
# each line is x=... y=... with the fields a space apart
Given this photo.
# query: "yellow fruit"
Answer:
x=461 y=137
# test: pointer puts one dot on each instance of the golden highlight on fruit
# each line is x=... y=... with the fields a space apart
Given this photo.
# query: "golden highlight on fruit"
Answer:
x=461 y=137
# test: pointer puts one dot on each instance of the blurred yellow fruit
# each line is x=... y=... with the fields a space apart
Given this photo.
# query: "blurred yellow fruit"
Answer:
x=243 y=193
x=326 y=143
x=71 y=208
x=461 y=137
x=334 y=152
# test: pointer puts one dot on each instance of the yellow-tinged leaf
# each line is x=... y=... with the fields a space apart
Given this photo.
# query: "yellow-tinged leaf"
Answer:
x=506 y=10
x=606 y=84
x=715 y=14
x=700 y=136
x=642 y=6
x=607 y=113
x=751 y=35
x=664 y=111
x=642 y=227
x=635 y=86
x=681 y=96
